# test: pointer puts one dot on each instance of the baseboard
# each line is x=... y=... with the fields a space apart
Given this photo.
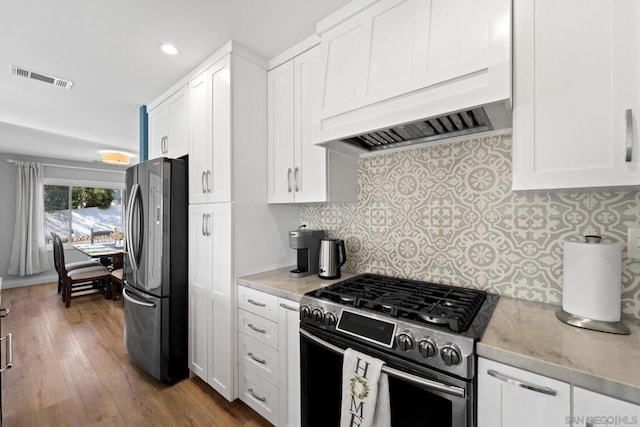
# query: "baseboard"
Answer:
x=17 y=283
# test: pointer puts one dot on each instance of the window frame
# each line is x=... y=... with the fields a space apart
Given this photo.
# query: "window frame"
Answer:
x=71 y=183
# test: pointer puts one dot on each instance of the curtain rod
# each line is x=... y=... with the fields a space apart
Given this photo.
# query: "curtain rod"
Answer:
x=72 y=167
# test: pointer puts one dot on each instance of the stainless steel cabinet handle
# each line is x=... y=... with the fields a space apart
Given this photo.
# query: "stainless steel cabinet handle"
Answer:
x=629 y=119
x=296 y=173
x=204 y=230
x=208 y=181
x=4 y=312
x=289 y=180
x=523 y=384
x=166 y=144
x=255 y=396
x=9 y=359
x=262 y=331
x=422 y=382
x=208 y=221
x=259 y=304
x=288 y=307
x=256 y=359
x=204 y=188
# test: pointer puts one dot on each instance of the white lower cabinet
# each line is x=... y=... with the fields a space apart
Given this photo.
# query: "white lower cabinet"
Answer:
x=592 y=409
x=211 y=295
x=269 y=356
x=509 y=396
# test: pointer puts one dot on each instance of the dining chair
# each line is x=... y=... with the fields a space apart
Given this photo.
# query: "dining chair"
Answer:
x=80 y=281
x=57 y=249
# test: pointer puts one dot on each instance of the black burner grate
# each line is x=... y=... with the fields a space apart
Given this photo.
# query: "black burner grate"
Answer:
x=431 y=303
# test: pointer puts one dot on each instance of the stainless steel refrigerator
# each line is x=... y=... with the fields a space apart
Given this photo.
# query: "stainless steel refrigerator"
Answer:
x=156 y=267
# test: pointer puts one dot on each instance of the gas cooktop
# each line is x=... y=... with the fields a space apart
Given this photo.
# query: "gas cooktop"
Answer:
x=431 y=303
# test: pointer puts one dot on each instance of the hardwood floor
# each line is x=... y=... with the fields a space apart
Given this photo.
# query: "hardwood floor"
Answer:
x=71 y=369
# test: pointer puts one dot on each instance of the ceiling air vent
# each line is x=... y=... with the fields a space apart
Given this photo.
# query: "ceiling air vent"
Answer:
x=446 y=126
x=56 y=81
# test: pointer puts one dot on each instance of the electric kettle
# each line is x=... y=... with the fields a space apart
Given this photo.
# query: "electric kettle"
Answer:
x=332 y=257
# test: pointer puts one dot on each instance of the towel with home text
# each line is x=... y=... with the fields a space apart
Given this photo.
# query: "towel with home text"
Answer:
x=365 y=392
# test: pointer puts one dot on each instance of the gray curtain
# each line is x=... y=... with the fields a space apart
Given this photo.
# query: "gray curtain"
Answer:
x=28 y=254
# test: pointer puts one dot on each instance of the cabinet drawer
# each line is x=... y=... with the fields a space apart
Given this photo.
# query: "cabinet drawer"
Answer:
x=259 y=303
x=258 y=328
x=258 y=358
x=258 y=394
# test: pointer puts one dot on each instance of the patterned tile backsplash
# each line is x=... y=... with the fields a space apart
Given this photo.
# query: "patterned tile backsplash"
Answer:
x=446 y=213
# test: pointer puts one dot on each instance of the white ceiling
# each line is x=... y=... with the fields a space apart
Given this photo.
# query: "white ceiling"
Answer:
x=109 y=49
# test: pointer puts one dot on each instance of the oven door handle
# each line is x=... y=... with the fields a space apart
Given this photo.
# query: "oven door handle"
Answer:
x=422 y=382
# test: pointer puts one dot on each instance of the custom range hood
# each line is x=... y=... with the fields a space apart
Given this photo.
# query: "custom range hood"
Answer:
x=445 y=126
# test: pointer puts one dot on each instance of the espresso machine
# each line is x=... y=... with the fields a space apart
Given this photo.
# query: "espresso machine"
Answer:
x=307 y=245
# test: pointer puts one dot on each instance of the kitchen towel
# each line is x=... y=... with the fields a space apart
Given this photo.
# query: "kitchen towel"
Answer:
x=592 y=280
x=365 y=392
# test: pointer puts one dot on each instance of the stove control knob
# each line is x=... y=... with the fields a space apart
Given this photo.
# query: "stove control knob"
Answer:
x=318 y=315
x=405 y=341
x=450 y=354
x=305 y=311
x=331 y=319
x=427 y=347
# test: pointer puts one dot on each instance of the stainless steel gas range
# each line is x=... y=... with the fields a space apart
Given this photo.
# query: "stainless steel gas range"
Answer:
x=424 y=332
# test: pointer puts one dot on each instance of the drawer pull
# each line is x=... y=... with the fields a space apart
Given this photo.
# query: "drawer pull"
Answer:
x=262 y=331
x=255 y=396
x=523 y=384
x=288 y=307
x=256 y=359
x=259 y=304
x=9 y=352
x=4 y=312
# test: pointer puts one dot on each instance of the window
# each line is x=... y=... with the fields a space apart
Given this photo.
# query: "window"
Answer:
x=82 y=214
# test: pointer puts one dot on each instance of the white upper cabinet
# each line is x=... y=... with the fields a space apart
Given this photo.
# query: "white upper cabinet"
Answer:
x=169 y=126
x=299 y=171
x=210 y=143
x=398 y=61
x=576 y=74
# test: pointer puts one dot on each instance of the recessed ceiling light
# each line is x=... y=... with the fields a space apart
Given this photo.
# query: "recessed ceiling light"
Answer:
x=169 y=49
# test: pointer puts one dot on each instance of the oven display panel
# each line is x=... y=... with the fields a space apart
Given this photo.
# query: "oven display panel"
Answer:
x=368 y=328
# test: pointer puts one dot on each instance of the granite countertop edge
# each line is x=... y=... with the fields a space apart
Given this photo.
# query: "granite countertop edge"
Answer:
x=499 y=336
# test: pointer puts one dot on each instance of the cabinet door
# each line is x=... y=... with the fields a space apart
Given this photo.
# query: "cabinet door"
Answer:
x=199 y=142
x=289 y=369
x=281 y=134
x=592 y=409
x=504 y=403
x=220 y=170
x=177 y=143
x=200 y=282
x=576 y=73
x=310 y=171
x=157 y=131
x=221 y=333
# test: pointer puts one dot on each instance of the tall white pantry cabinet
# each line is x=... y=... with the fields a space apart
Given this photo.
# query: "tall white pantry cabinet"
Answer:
x=232 y=230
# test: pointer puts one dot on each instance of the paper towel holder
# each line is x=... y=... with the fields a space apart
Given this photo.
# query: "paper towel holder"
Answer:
x=594 y=325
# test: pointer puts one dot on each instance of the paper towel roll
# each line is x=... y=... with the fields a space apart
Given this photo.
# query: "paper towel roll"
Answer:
x=592 y=280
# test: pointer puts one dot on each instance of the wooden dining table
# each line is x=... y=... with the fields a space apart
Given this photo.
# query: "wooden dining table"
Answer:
x=109 y=254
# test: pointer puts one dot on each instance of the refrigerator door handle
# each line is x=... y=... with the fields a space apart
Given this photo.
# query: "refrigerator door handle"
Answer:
x=131 y=252
x=136 y=301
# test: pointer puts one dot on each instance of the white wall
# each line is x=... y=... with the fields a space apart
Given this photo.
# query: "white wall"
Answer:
x=78 y=170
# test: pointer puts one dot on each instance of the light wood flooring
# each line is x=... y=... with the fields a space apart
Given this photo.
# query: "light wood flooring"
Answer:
x=71 y=369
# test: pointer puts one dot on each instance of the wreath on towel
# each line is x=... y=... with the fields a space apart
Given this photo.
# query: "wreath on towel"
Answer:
x=359 y=387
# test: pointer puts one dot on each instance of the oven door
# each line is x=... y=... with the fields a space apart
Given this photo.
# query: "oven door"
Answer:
x=426 y=399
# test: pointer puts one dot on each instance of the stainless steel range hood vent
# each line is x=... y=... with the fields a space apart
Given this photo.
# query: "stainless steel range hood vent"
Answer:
x=446 y=126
